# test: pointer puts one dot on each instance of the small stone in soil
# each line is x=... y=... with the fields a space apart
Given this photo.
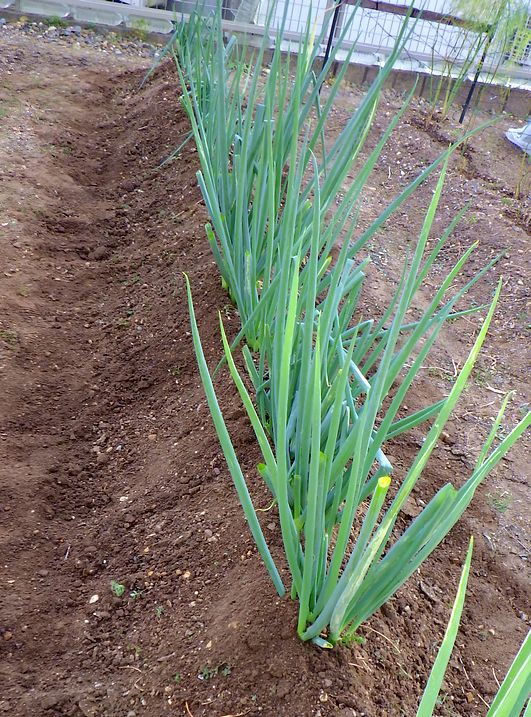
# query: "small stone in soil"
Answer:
x=428 y=591
x=184 y=537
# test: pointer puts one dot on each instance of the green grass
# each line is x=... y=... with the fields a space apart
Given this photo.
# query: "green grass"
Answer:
x=55 y=21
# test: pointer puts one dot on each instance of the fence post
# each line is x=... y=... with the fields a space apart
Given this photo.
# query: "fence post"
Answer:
x=332 y=32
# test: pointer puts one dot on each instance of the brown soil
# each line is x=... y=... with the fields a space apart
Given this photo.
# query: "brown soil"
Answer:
x=111 y=470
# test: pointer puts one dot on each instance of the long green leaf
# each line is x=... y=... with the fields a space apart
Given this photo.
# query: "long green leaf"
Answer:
x=435 y=680
x=229 y=452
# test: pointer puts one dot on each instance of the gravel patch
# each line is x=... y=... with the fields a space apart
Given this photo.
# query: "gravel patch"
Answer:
x=111 y=43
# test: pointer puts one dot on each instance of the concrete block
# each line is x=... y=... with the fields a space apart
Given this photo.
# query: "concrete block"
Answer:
x=97 y=15
x=44 y=7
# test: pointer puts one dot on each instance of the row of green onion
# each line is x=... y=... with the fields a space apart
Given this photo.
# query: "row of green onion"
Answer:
x=324 y=387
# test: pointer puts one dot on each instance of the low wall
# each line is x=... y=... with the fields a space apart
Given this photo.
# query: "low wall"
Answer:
x=488 y=97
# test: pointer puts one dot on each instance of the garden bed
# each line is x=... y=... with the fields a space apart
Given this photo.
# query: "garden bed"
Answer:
x=113 y=470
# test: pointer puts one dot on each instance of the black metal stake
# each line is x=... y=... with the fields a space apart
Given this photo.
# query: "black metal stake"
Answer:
x=332 y=33
x=475 y=80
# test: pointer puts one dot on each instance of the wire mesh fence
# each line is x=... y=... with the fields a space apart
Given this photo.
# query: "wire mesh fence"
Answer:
x=432 y=42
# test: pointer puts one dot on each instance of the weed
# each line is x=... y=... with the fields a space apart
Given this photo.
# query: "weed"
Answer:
x=112 y=38
x=168 y=255
x=177 y=678
x=483 y=376
x=23 y=291
x=462 y=164
x=524 y=318
x=404 y=672
x=140 y=29
x=228 y=310
x=136 y=650
x=55 y=149
x=54 y=21
x=159 y=610
x=354 y=639
x=207 y=673
x=444 y=701
x=9 y=337
x=117 y=588
x=499 y=501
x=436 y=372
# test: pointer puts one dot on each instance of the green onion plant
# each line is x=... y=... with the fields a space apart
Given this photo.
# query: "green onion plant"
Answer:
x=251 y=168
x=325 y=385
x=343 y=566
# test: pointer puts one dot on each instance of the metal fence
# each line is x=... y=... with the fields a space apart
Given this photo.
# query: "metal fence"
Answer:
x=432 y=46
x=430 y=42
